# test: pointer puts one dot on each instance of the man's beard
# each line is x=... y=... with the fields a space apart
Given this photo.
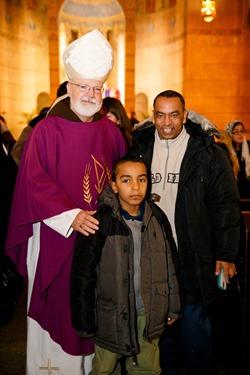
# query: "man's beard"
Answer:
x=86 y=110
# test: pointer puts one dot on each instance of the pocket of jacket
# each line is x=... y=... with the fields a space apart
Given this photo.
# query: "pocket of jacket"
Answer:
x=161 y=304
x=106 y=321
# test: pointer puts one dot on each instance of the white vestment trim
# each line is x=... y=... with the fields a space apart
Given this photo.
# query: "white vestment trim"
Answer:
x=42 y=351
x=62 y=223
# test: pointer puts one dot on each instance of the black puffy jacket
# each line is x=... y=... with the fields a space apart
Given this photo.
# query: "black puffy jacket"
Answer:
x=207 y=217
x=102 y=289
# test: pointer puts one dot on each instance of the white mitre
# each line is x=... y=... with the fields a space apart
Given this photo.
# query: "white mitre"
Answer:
x=90 y=56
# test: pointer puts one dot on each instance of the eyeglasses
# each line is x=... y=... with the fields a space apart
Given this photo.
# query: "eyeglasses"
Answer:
x=86 y=88
x=239 y=131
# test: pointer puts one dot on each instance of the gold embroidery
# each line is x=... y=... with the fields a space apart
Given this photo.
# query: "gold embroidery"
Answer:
x=102 y=173
x=49 y=368
x=87 y=197
x=108 y=172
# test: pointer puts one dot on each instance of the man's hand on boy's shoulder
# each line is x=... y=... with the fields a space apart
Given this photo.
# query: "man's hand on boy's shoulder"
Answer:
x=85 y=223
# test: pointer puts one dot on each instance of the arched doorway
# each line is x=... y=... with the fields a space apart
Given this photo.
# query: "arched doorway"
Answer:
x=141 y=106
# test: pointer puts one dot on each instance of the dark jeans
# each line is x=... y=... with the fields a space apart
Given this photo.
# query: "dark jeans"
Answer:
x=186 y=346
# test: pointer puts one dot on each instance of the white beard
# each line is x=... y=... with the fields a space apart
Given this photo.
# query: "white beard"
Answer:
x=86 y=109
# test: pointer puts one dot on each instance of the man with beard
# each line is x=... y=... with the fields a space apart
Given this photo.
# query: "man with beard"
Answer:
x=66 y=163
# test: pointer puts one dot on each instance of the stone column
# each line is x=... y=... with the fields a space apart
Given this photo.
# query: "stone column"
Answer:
x=129 y=8
x=54 y=52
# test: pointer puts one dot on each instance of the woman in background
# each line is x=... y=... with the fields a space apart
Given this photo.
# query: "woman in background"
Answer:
x=116 y=112
x=7 y=138
x=237 y=147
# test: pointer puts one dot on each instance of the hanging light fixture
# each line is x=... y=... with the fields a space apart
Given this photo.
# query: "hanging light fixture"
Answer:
x=208 y=10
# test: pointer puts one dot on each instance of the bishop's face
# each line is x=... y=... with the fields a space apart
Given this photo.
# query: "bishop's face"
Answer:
x=169 y=117
x=85 y=97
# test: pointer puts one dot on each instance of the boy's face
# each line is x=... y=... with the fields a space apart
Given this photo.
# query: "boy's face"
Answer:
x=130 y=186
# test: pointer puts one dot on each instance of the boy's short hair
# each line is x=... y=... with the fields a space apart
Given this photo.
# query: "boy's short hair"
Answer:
x=132 y=159
x=123 y=160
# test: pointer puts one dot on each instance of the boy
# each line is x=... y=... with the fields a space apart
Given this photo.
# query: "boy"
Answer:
x=123 y=278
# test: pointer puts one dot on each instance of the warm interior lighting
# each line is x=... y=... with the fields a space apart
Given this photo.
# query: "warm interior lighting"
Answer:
x=208 y=10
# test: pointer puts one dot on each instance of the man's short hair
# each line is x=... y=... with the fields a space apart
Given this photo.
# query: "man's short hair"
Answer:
x=170 y=94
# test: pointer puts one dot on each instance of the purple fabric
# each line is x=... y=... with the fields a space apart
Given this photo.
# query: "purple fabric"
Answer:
x=64 y=166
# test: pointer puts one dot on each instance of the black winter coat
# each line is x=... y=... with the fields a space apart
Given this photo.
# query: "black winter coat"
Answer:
x=207 y=217
x=102 y=292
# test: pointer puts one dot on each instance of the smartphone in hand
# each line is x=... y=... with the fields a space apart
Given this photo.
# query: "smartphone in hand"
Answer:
x=222 y=284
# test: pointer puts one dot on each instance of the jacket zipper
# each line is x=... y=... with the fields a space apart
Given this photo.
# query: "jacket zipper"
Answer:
x=166 y=165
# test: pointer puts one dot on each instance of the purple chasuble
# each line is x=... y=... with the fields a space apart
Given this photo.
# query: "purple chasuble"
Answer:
x=65 y=165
